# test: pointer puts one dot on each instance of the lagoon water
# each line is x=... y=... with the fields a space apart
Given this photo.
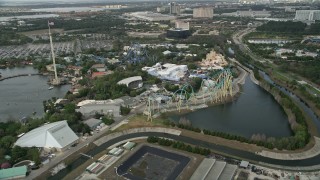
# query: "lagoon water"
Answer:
x=24 y=95
x=255 y=111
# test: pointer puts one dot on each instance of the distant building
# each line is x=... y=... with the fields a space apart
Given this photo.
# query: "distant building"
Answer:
x=57 y=135
x=161 y=9
x=21 y=23
x=132 y=82
x=307 y=15
x=178 y=33
x=99 y=67
x=144 y=34
x=203 y=12
x=14 y=173
x=250 y=13
x=76 y=70
x=182 y=25
x=100 y=74
x=315 y=39
x=174 y=8
x=150 y=16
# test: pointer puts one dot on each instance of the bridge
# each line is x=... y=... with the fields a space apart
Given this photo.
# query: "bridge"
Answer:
x=19 y=75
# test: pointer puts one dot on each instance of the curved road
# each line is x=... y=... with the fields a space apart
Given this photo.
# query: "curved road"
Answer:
x=299 y=165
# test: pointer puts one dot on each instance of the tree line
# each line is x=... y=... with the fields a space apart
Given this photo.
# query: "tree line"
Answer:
x=179 y=145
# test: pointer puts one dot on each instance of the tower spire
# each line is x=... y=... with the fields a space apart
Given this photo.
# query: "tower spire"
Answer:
x=56 y=80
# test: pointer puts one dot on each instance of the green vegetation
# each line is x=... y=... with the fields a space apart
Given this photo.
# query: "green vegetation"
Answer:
x=288 y=27
x=106 y=87
x=298 y=124
x=106 y=119
x=54 y=114
x=209 y=40
x=11 y=129
x=101 y=23
x=9 y=37
x=124 y=110
x=8 y=136
x=179 y=145
x=309 y=69
x=104 y=23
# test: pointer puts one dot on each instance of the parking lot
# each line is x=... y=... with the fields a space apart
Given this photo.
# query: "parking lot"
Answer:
x=24 y=51
x=79 y=44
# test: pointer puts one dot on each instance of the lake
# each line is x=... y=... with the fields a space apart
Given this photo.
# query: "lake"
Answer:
x=255 y=111
x=21 y=96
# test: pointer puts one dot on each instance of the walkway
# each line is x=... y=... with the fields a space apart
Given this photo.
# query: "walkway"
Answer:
x=19 y=75
x=310 y=164
x=314 y=151
x=254 y=80
x=106 y=138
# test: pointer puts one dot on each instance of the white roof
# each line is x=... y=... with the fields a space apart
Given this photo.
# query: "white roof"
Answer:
x=84 y=102
x=53 y=135
x=130 y=79
x=244 y=164
x=166 y=52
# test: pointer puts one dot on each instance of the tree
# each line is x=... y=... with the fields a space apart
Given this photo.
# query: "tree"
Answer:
x=18 y=153
x=192 y=66
x=196 y=83
x=34 y=155
x=70 y=108
x=124 y=110
x=7 y=141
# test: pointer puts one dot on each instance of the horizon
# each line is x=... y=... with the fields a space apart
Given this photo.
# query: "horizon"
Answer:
x=53 y=2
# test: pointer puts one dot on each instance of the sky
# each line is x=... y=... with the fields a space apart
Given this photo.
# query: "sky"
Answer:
x=35 y=2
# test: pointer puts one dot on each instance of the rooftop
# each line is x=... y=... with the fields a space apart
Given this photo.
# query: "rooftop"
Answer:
x=92 y=122
x=57 y=135
x=130 y=79
x=244 y=164
x=13 y=172
x=98 y=66
x=129 y=145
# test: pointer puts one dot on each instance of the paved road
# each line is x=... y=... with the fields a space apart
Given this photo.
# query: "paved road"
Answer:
x=238 y=40
x=310 y=164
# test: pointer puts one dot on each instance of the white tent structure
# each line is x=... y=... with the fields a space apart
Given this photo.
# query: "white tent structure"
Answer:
x=171 y=72
x=56 y=135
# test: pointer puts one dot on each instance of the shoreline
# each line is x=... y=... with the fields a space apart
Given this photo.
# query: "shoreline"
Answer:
x=236 y=86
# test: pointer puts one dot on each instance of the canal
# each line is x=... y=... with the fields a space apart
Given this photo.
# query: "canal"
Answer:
x=255 y=111
x=22 y=96
x=297 y=100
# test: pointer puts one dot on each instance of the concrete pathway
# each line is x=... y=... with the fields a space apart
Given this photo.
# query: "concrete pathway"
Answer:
x=314 y=151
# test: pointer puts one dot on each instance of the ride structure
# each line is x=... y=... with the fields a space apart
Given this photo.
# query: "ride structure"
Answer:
x=214 y=89
x=184 y=96
x=56 y=81
x=136 y=54
x=152 y=107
